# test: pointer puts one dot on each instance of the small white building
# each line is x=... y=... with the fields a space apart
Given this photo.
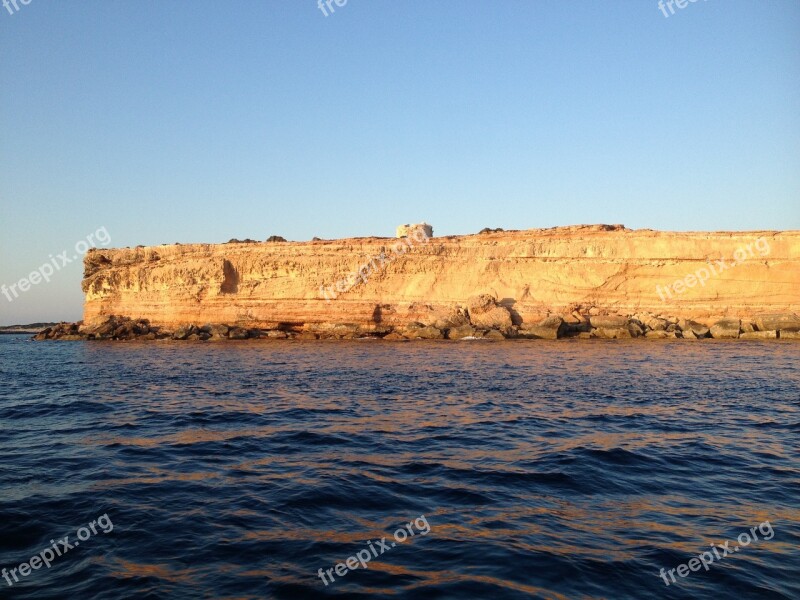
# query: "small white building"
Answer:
x=405 y=230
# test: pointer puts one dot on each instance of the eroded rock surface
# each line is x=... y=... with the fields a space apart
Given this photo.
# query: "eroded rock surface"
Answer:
x=601 y=280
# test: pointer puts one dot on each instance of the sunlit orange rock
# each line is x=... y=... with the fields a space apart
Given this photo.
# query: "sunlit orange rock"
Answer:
x=531 y=275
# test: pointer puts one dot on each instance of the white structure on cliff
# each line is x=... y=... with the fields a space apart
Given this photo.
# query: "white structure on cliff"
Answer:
x=405 y=230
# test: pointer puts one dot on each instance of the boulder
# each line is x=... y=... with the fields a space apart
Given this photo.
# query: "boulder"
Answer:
x=699 y=330
x=726 y=329
x=579 y=324
x=395 y=337
x=789 y=335
x=71 y=337
x=608 y=333
x=485 y=313
x=453 y=318
x=783 y=321
x=657 y=324
x=576 y=318
x=747 y=327
x=459 y=333
x=759 y=335
x=219 y=330
x=237 y=333
x=339 y=330
x=326 y=331
x=416 y=331
x=493 y=334
x=481 y=303
x=497 y=318
x=608 y=321
x=183 y=333
x=660 y=334
x=441 y=317
x=124 y=331
x=276 y=335
x=550 y=328
x=104 y=329
x=635 y=328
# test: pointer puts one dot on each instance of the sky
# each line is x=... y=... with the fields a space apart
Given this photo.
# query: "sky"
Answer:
x=202 y=121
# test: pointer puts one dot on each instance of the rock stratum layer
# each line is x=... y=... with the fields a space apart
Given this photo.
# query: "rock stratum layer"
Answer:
x=508 y=281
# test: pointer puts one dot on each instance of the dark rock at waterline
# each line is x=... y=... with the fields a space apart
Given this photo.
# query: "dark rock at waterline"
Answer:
x=459 y=333
x=611 y=333
x=783 y=321
x=237 y=333
x=759 y=335
x=636 y=328
x=184 y=333
x=698 y=329
x=725 y=329
x=550 y=328
x=417 y=331
x=484 y=307
x=608 y=321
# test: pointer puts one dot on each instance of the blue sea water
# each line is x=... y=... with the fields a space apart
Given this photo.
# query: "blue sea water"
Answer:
x=554 y=470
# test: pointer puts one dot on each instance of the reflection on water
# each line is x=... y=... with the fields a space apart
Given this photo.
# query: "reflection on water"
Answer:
x=546 y=470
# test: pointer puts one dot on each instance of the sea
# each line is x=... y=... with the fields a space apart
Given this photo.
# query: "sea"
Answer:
x=571 y=469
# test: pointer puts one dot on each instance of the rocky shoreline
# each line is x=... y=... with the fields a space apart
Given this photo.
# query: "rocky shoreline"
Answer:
x=483 y=319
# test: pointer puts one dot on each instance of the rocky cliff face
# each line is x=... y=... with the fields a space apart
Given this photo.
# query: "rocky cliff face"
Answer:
x=380 y=282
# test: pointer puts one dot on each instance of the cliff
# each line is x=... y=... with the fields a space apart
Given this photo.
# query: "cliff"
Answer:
x=380 y=283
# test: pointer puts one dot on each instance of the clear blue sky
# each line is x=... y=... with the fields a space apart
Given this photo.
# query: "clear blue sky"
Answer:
x=206 y=120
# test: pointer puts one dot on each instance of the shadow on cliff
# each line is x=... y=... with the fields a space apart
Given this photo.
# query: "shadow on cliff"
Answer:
x=509 y=303
x=230 y=279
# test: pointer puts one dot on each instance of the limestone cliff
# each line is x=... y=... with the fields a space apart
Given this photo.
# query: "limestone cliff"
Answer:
x=533 y=273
